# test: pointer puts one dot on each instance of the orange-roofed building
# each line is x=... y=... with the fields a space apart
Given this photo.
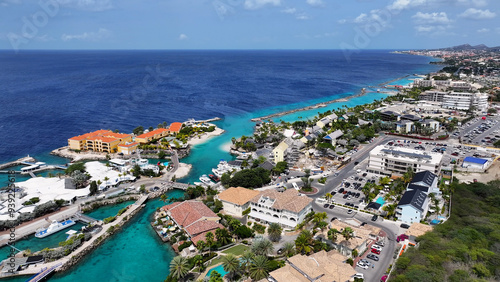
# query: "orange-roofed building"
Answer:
x=152 y=135
x=99 y=141
x=175 y=127
x=128 y=148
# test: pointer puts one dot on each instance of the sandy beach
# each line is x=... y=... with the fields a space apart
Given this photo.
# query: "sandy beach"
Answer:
x=205 y=136
x=183 y=170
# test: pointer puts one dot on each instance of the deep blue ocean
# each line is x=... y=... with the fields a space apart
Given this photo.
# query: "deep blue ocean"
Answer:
x=48 y=96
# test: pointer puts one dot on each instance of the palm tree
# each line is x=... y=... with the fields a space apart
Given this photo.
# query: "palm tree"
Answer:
x=333 y=234
x=231 y=264
x=222 y=236
x=390 y=209
x=179 y=267
x=304 y=242
x=318 y=217
x=347 y=233
x=163 y=197
x=259 y=268
x=262 y=247
x=198 y=261
x=328 y=196
x=274 y=231
x=289 y=249
x=200 y=245
x=209 y=238
x=246 y=260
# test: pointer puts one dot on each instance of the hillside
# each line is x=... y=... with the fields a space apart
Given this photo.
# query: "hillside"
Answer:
x=466 y=247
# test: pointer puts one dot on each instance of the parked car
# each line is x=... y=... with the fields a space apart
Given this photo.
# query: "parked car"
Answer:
x=374 y=217
x=349 y=211
x=405 y=226
x=362 y=265
x=373 y=257
x=375 y=251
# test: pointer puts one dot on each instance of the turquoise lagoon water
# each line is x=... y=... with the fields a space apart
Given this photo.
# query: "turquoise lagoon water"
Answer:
x=219 y=269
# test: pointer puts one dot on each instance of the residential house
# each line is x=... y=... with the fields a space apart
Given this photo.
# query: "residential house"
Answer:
x=326 y=121
x=319 y=267
x=432 y=124
x=287 y=208
x=236 y=199
x=194 y=218
x=128 y=148
x=413 y=206
x=332 y=137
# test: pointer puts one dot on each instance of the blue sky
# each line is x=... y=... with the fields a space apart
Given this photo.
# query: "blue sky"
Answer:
x=247 y=24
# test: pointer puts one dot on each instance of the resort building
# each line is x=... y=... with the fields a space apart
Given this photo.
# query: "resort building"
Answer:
x=388 y=160
x=326 y=121
x=285 y=208
x=175 y=127
x=104 y=141
x=413 y=206
x=475 y=163
x=152 y=135
x=194 y=218
x=457 y=100
x=432 y=124
x=404 y=126
x=128 y=148
x=320 y=266
x=279 y=152
x=236 y=199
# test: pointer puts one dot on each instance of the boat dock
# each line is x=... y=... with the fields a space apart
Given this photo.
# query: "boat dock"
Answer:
x=84 y=218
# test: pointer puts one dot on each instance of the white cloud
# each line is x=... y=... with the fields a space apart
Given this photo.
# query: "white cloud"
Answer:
x=361 y=18
x=256 y=4
x=302 y=17
x=102 y=33
x=342 y=21
x=182 y=36
x=289 y=11
x=406 y=4
x=431 y=18
x=87 y=5
x=315 y=3
x=483 y=30
x=477 y=14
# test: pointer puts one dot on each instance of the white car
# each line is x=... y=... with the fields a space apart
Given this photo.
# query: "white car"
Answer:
x=359 y=276
x=362 y=265
x=377 y=247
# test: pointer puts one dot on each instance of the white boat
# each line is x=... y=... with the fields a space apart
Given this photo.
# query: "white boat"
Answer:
x=200 y=184
x=54 y=227
x=204 y=178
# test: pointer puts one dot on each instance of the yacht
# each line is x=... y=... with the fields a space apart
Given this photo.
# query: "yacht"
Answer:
x=204 y=178
x=54 y=227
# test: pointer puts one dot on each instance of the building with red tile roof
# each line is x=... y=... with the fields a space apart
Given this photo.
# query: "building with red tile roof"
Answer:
x=175 y=127
x=102 y=140
x=152 y=135
x=194 y=217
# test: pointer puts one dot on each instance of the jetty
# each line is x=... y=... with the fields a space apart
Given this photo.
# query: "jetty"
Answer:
x=44 y=273
x=20 y=161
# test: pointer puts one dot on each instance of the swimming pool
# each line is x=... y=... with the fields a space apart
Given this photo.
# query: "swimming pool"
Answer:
x=219 y=269
x=380 y=200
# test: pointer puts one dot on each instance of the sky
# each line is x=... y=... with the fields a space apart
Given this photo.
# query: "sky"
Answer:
x=247 y=24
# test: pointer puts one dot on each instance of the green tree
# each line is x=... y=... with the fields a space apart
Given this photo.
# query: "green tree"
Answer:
x=231 y=265
x=259 y=269
x=215 y=277
x=262 y=247
x=138 y=130
x=304 y=242
x=333 y=234
x=274 y=230
x=347 y=233
x=209 y=239
x=289 y=249
x=93 y=188
x=223 y=236
x=179 y=267
x=246 y=260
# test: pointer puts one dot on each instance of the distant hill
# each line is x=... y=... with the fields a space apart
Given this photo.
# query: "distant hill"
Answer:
x=467 y=47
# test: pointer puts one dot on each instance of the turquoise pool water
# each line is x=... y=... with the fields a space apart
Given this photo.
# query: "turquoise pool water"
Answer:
x=380 y=200
x=219 y=269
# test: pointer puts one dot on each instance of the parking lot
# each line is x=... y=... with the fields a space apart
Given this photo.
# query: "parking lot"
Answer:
x=483 y=132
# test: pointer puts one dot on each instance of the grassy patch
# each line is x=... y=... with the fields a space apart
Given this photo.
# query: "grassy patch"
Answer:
x=236 y=250
x=215 y=261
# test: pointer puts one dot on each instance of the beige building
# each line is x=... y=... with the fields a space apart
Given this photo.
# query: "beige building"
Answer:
x=236 y=199
x=319 y=267
x=279 y=152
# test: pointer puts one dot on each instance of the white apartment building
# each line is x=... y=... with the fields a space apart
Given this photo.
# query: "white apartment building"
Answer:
x=285 y=208
x=388 y=160
x=457 y=100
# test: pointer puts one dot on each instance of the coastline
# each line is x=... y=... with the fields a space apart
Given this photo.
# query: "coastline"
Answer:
x=205 y=136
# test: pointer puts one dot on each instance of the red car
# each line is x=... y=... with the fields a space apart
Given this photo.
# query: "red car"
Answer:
x=375 y=251
x=383 y=279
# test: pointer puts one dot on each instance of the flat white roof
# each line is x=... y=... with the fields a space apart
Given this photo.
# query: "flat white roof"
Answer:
x=406 y=154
